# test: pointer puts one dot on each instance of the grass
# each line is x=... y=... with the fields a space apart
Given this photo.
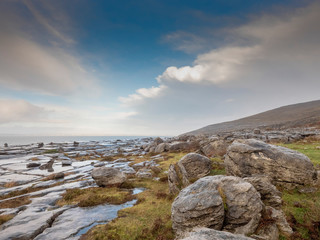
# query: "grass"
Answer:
x=5 y=218
x=95 y=196
x=303 y=209
x=14 y=203
x=51 y=151
x=150 y=218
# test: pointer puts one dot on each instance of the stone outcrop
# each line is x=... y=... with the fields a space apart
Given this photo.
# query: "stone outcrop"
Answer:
x=219 y=202
x=270 y=195
x=108 y=176
x=189 y=168
x=215 y=148
x=211 y=234
x=284 y=167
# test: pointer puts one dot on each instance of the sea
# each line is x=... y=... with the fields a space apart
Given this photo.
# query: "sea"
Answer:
x=24 y=140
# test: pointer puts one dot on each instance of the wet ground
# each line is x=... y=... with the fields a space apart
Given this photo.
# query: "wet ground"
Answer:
x=28 y=167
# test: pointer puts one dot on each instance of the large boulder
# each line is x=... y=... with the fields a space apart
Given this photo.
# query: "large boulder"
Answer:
x=108 y=176
x=211 y=234
x=284 y=167
x=189 y=168
x=183 y=146
x=162 y=147
x=215 y=148
x=219 y=202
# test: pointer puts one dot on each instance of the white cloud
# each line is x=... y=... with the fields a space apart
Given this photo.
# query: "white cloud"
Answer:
x=19 y=111
x=142 y=94
x=273 y=61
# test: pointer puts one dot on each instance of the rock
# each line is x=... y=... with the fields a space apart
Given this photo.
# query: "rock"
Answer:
x=66 y=162
x=33 y=165
x=47 y=165
x=75 y=144
x=211 y=234
x=40 y=145
x=184 y=146
x=107 y=176
x=189 y=168
x=256 y=131
x=195 y=165
x=157 y=141
x=267 y=232
x=58 y=175
x=162 y=147
x=281 y=222
x=218 y=202
x=99 y=164
x=144 y=173
x=174 y=180
x=284 y=167
x=119 y=160
x=269 y=193
x=6 y=145
x=216 y=148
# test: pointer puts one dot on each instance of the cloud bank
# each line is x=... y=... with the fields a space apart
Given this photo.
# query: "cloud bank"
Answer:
x=274 y=60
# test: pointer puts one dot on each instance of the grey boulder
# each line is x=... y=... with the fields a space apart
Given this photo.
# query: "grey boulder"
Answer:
x=107 y=176
x=284 y=167
x=189 y=168
x=219 y=202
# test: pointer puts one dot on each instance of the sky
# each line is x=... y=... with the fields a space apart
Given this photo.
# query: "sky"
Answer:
x=148 y=67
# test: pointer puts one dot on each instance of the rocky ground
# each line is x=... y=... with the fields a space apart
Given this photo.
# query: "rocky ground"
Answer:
x=229 y=186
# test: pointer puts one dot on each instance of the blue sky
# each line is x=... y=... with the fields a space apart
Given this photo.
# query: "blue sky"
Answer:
x=81 y=67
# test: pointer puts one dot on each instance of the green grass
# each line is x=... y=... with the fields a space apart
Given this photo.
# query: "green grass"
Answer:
x=95 y=196
x=303 y=209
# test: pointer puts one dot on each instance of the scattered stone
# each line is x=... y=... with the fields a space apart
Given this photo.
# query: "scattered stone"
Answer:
x=75 y=144
x=211 y=234
x=6 y=145
x=144 y=173
x=33 y=165
x=284 y=167
x=281 y=222
x=66 y=162
x=107 y=176
x=256 y=131
x=219 y=202
x=99 y=164
x=40 y=145
x=162 y=147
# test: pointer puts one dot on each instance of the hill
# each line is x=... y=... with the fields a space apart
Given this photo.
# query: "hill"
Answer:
x=292 y=116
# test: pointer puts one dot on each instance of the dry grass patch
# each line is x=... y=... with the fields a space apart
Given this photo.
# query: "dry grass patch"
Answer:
x=5 y=218
x=95 y=196
x=16 y=202
x=10 y=184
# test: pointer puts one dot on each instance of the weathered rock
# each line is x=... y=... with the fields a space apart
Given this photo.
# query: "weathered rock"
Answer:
x=107 y=176
x=270 y=195
x=189 y=168
x=267 y=232
x=281 y=222
x=195 y=165
x=174 y=180
x=218 y=202
x=162 y=147
x=211 y=234
x=33 y=165
x=284 y=167
x=144 y=173
x=66 y=162
x=6 y=145
x=157 y=141
x=183 y=146
x=256 y=131
x=40 y=145
x=216 y=148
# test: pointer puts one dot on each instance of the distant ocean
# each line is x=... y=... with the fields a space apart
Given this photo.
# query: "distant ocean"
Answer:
x=21 y=140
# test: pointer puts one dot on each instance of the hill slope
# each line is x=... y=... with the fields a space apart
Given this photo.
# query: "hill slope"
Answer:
x=291 y=116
